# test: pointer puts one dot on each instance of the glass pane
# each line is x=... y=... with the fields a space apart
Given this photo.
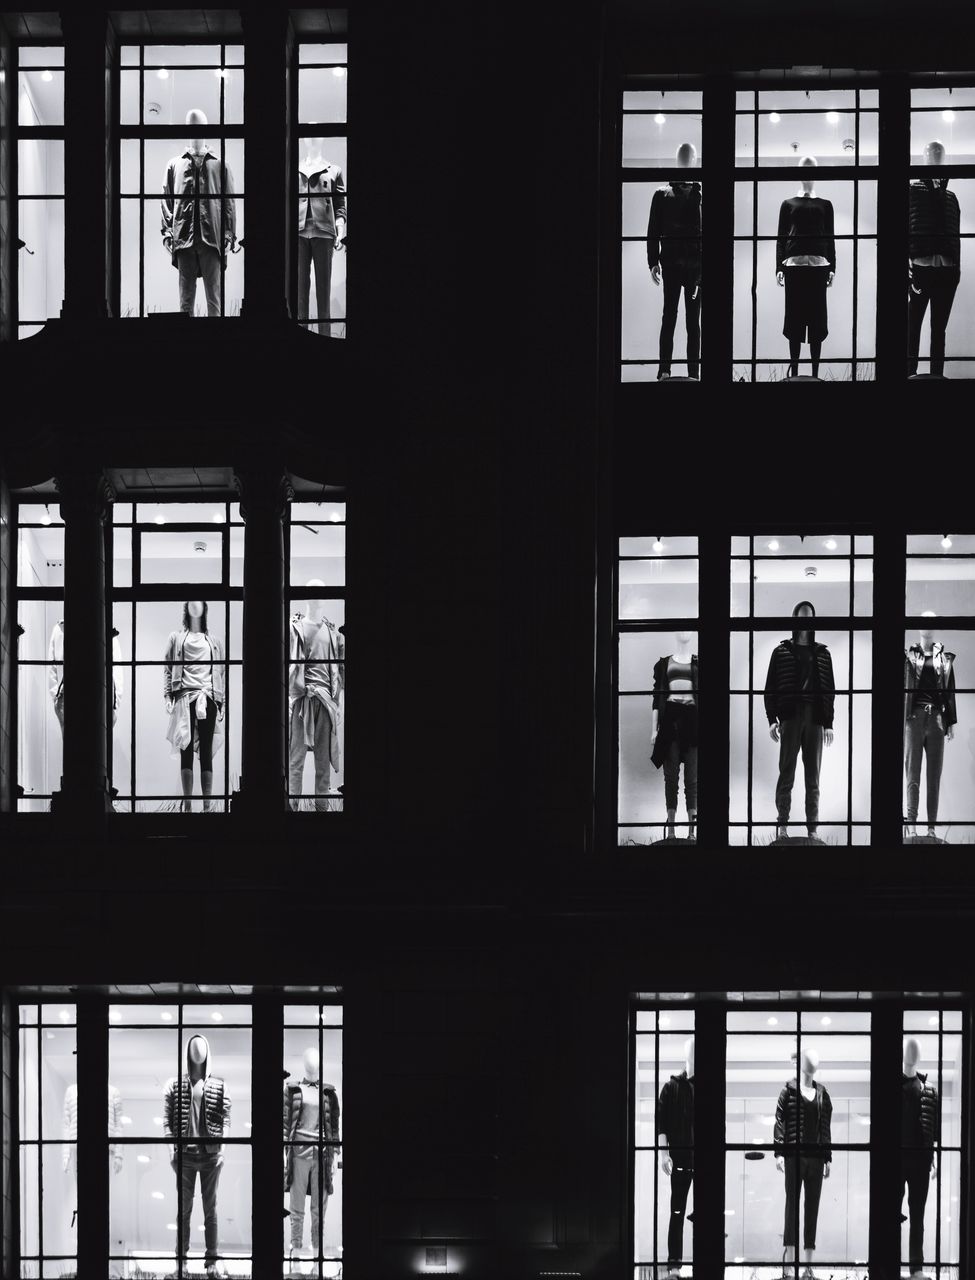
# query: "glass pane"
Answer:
x=191 y=556
x=40 y=557
x=942 y=582
x=49 y=55
x=40 y=167
x=325 y=53
x=317 y=512
x=59 y=1169
x=668 y=545
x=41 y=98
x=652 y=140
x=129 y=113
x=322 y=95
x=312 y=1130
x=179 y=55
x=658 y=588
x=40 y=263
x=141 y=1062
x=30 y=1198
x=40 y=718
x=317 y=555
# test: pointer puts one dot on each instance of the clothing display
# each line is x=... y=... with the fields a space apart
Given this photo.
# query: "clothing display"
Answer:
x=199 y=223
x=800 y=695
x=799 y=733
x=675 y=1118
x=317 y=649
x=802 y=1174
x=321 y=206
x=806 y=318
x=311 y=1117
x=193 y=678
x=674 y=244
x=676 y=742
x=55 y=681
x=805 y=1122
x=930 y=710
x=935 y=269
x=920 y=1127
x=783 y=684
x=805 y=231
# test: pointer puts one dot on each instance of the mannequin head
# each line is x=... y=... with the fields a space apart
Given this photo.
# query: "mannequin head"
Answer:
x=312 y=1064
x=912 y=1052
x=314 y=146
x=804 y=609
x=195 y=615
x=684 y=639
x=926 y=630
x=686 y=155
x=935 y=152
x=314 y=605
x=196 y=122
x=809 y=165
x=809 y=1063
x=197 y=1056
x=689 y=1056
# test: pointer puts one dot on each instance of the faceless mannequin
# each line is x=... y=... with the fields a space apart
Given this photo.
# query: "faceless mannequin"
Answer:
x=674 y=255
x=70 y=1127
x=935 y=258
x=312 y=1064
x=918 y=1163
x=674 y=728
x=193 y=690
x=315 y=697
x=675 y=1124
x=929 y=721
x=803 y=1171
x=321 y=228
x=805 y=240
x=310 y=1119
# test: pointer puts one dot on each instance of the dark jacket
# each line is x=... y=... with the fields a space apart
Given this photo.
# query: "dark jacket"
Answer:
x=935 y=220
x=921 y=1109
x=212 y=184
x=782 y=684
x=328 y=1121
x=944 y=669
x=789 y=1129
x=215 y=1112
x=666 y=723
x=805 y=227
x=321 y=200
x=674 y=228
x=675 y=1118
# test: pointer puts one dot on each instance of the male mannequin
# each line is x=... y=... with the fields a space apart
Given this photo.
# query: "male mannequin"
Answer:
x=199 y=217
x=70 y=1126
x=805 y=264
x=317 y=652
x=55 y=682
x=675 y=1130
x=193 y=690
x=674 y=728
x=935 y=266
x=311 y=1118
x=930 y=716
x=321 y=229
x=799 y=697
x=803 y=1152
x=920 y=1125
x=674 y=250
x=195 y=1109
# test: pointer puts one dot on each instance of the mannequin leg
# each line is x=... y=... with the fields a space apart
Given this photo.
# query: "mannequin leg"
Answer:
x=209 y=1180
x=934 y=747
x=795 y=351
x=321 y=248
x=204 y=731
x=186 y=266
x=211 y=268
x=668 y=319
x=296 y=754
x=671 y=785
x=944 y=283
x=812 y=1182
x=789 y=739
x=692 y=319
x=917 y=1174
x=913 y=752
x=791 y=1208
x=812 y=760
x=680 y=1185
x=300 y=1182
x=690 y=788
x=815 y=350
x=917 y=305
x=304 y=279
x=323 y=763
x=186 y=777
x=187 y=1176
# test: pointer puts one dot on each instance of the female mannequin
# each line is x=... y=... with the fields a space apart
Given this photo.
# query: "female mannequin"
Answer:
x=321 y=229
x=803 y=1152
x=805 y=264
x=193 y=689
x=674 y=728
x=930 y=716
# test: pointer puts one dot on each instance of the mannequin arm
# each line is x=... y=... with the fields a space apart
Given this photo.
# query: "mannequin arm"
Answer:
x=830 y=239
x=54 y=675
x=168 y=208
x=653 y=236
x=168 y=666
x=666 y=1163
x=338 y=206
x=229 y=209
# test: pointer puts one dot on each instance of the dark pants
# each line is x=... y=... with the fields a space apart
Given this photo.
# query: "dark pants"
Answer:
x=317 y=250
x=805 y=303
x=936 y=285
x=799 y=733
x=916 y=1173
x=199 y=260
x=924 y=733
x=204 y=732
x=804 y=1172
x=204 y=1164
x=680 y=1185
x=676 y=279
x=678 y=755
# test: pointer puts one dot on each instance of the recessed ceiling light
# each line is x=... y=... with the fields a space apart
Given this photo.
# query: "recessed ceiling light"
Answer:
x=217 y=1016
x=773 y=1021
x=166 y=1016
x=126 y=1119
x=338 y=71
x=160 y=519
x=933 y=1020
x=157 y=1120
x=773 y=545
x=143 y=1160
x=946 y=542
x=660 y=118
x=833 y=117
x=158 y=1195
x=657 y=545
x=64 y=1015
x=47 y=76
x=774 y=117
x=948 y=116
x=830 y=544
x=162 y=74
x=216 y=517
x=114 y=1015
x=826 y=1020
x=46 y=517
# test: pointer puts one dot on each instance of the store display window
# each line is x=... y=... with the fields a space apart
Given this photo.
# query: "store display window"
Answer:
x=312 y=1135
x=316 y=656
x=40 y=653
x=321 y=189
x=941 y=250
x=662 y=228
x=40 y=186
x=180 y=1191
x=47 y=1154
x=806 y=241
x=801 y=673
x=181 y=168
x=177 y=600
x=657 y=681
x=939 y=689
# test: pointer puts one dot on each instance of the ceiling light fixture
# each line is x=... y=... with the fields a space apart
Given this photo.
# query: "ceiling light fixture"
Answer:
x=46 y=517
x=217 y=1016
x=948 y=116
x=162 y=74
x=773 y=545
x=658 y=545
x=830 y=544
x=774 y=117
x=833 y=117
x=660 y=118
x=826 y=1020
x=338 y=71
x=946 y=542
x=160 y=519
x=47 y=76
x=773 y=1021
x=166 y=1016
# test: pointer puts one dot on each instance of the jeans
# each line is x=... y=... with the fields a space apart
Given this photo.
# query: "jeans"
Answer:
x=916 y=1173
x=202 y=260
x=680 y=1185
x=206 y=1165
x=676 y=279
x=317 y=249
x=936 y=285
x=924 y=732
x=676 y=755
x=799 y=733
x=321 y=752
x=305 y=1182
x=802 y=1172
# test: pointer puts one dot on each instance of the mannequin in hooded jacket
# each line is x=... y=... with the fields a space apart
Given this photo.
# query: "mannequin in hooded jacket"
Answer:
x=674 y=253
x=929 y=722
x=675 y=1140
x=807 y=1163
x=935 y=265
x=919 y=1133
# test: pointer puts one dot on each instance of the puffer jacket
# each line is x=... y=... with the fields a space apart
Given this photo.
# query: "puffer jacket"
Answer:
x=782 y=684
x=930 y=1109
x=944 y=668
x=675 y=1118
x=215 y=1113
x=173 y=668
x=212 y=185
x=789 y=1129
x=329 y=1129
x=935 y=221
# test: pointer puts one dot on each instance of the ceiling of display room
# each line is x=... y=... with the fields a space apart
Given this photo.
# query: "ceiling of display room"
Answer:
x=32 y=26
x=165 y=25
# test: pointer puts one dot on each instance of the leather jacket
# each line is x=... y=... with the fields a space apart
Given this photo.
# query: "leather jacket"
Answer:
x=944 y=668
x=321 y=201
x=213 y=184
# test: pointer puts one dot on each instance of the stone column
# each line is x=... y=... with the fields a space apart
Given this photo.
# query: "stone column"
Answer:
x=264 y=496
x=86 y=497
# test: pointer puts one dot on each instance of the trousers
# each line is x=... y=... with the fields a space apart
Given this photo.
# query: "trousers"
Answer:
x=322 y=753
x=936 y=285
x=924 y=733
x=204 y=732
x=799 y=733
x=204 y=1164
x=677 y=279
x=199 y=260
x=680 y=1185
x=916 y=1174
x=317 y=250
x=806 y=1173
x=676 y=756
x=305 y=1181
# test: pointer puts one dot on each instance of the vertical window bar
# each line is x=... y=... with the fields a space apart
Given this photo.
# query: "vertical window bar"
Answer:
x=755 y=245
x=656 y=1142
x=849 y=683
x=751 y=686
x=142 y=191
x=40 y=1144
x=856 y=231
x=320 y=1153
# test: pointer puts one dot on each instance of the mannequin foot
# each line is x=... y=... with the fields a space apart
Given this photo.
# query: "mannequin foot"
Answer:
x=781 y=831
x=812 y=833
x=910 y=831
x=662 y=374
x=933 y=832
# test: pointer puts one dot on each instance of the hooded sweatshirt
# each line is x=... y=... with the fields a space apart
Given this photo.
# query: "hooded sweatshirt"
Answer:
x=197 y=1109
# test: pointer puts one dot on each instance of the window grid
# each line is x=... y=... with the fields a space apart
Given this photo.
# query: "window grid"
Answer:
x=22 y=132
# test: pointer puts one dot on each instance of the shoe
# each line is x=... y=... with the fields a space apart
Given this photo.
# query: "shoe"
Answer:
x=781 y=832
x=812 y=833
x=910 y=833
x=933 y=833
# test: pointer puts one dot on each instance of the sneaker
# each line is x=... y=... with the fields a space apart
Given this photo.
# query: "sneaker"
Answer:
x=910 y=831
x=781 y=832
